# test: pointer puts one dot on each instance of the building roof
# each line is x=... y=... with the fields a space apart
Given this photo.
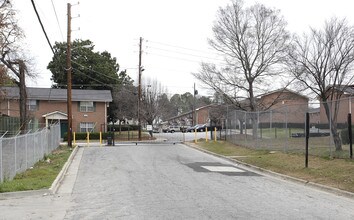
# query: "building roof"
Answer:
x=349 y=90
x=51 y=94
x=283 y=90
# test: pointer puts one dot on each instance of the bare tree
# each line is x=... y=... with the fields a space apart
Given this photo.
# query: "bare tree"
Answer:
x=152 y=102
x=125 y=103
x=322 y=62
x=11 y=53
x=253 y=42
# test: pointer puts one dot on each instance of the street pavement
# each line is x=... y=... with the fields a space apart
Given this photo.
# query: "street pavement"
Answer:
x=172 y=181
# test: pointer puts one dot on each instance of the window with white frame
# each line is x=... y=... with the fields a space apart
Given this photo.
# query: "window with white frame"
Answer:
x=87 y=126
x=32 y=105
x=86 y=106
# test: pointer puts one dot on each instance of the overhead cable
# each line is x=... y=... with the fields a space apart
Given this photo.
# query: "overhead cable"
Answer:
x=55 y=12
x=45 y=33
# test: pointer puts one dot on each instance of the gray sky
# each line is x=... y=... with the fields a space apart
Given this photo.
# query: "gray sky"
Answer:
x=175 y=32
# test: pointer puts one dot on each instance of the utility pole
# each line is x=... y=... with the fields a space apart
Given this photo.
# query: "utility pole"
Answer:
x=23 y=96
x=139 y=88
x=22 y=87
x=195 y=92
x=68 y=69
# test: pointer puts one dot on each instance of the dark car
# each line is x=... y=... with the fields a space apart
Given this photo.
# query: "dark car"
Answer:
x=201 y=127
x=198 y=127
x=171 y=129
x=191 y=129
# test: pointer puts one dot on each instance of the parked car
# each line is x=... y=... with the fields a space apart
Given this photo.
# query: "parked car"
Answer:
x=198 y=127
x=171 y=129
x=191 y=128
x=203 y=127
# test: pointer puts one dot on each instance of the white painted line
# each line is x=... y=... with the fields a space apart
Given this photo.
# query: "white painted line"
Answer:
x=223 y=169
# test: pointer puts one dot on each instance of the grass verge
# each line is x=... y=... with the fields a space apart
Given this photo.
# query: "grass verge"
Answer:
x=42 y=175
x=337 y=173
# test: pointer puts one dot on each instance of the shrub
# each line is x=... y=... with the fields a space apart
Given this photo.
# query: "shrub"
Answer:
x=344 y=134
x=83 y=136
x=123 y=127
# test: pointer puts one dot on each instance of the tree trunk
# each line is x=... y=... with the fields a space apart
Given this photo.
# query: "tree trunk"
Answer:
x=254 y=127
x=241 y=126
x=333 y=127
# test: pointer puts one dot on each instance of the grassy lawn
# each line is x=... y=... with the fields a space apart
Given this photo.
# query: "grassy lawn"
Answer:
x=41 y=176
x=277 y=132
x=338 y=173
x=318 y=146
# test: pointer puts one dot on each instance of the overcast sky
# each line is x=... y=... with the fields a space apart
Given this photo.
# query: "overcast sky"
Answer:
x=175 y=33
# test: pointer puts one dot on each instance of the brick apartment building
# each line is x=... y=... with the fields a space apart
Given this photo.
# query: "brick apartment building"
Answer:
x=346 y=105
x=284 y=105
x=47 y=105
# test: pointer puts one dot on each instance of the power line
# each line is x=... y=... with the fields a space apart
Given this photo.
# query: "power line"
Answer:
x=107 y=76
x=45 y=33
x=55 y=12
x=188 y=54
x=177 y=58
x=180 y=47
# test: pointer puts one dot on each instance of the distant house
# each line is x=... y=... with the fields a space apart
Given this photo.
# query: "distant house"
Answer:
x=284 y=105
x=346 y=105
x=47 y=105
x=199 y=116
x=314 y=114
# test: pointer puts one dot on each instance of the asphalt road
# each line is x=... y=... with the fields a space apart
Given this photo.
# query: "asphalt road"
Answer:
x=166 y=181
x=183 y=137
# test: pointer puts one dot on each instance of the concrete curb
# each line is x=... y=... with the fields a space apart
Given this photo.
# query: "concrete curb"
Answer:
x=44 y=192
x=278 y=175
x=21 y=194
x=56 y=184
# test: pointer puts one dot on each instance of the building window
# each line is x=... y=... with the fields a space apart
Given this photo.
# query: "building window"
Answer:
x=86 y=107
x=32 y=105
x=87 y=126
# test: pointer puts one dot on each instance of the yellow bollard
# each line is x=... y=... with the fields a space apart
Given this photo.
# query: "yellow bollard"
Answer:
x=215 y=134
x=206 y=134
x=88 y=139
x=195 y=136
x=74 y=138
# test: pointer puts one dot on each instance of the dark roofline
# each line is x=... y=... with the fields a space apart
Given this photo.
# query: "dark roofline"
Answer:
x=51 y=94
x=191 y=112
x=283 y=90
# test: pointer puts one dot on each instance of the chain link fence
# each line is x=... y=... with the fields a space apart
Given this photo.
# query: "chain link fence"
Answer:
x=21 y=152
x=283 y=129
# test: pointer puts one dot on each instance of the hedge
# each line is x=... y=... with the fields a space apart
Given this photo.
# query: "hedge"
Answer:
x=83 y=136
x=123 y=127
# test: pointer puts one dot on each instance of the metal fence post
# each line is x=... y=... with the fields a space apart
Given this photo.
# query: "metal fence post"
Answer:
x=307 y=139
x=15 y=154
x=1 y=164
x=350 y=135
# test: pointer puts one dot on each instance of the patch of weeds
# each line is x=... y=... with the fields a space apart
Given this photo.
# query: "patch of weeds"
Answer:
x=42 y=175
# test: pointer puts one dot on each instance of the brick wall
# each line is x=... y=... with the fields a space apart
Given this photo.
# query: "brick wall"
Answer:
x=45 y=107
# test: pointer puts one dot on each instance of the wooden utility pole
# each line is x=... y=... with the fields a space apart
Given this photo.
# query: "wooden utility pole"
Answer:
x=139 y=88
x=20 y=73
x=23 y=96
x=68 y=69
